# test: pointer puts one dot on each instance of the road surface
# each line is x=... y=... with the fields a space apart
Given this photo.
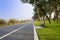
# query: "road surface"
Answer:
x=18 y=32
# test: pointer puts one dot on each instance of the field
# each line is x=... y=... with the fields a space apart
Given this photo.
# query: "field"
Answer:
x=50 y=32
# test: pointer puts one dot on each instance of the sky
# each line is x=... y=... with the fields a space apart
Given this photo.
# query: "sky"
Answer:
x=10 y=9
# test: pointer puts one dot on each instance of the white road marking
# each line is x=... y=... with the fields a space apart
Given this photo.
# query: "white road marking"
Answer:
x=13 y=31
x=35 y=33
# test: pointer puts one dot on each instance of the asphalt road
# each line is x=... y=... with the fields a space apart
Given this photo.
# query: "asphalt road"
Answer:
x=18 y=32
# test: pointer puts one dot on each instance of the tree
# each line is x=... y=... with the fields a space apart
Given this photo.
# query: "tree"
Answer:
x=11 y=21
x=56 y=9
x=46 y=7
x=37 y=13
x=40 y=4
x=2 y=21
x=35 y=16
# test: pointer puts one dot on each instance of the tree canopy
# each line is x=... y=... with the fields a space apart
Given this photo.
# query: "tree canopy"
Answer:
x=44 y=7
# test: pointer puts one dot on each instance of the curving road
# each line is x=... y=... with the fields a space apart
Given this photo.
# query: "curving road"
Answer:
x=18 y=32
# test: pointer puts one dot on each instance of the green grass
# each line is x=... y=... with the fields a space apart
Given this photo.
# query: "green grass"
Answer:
x=48 y=34
x=37 y=23
x=51 y=32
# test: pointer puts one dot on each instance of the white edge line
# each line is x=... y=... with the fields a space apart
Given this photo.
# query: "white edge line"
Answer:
x=12 y=32
x=35 y=33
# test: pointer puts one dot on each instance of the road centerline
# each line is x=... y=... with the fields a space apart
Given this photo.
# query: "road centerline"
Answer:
x=13 y=31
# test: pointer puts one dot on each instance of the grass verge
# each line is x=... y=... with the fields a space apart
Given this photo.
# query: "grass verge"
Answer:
x=51 y=32
x=37 y=23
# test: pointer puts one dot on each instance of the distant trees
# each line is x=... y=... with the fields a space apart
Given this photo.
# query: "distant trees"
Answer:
x=14 y=21
x=2 y=22
x=10 y=22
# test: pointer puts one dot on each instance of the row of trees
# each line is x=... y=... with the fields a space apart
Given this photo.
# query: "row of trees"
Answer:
x=11 y=21
x=43 y=8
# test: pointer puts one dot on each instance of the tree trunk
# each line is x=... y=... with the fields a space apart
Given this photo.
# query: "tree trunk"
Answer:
x=49 y=15
x=56 y=12
x=38 y=14
x=48 y=19
x=44 y=19
x=54 y=17
x=57 y=16
x=44 y=13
